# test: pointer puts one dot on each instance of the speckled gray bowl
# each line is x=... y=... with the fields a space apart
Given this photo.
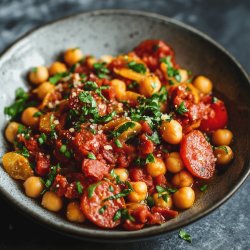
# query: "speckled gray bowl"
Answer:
x=113 y=32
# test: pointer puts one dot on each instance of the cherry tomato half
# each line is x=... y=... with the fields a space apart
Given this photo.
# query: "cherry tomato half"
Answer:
x=217 y=117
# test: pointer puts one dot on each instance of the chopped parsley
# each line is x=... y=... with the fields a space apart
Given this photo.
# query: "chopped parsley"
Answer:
x=150 y=158
x=203 y=188
x=42 y=138
x=214 y=99
x=65 y=151
x=171 y=71
x=185 y=236
x=164 y=192
x=111 y=189
x=100 y=69
x=123 y=214
x=124 y=127
x=79 y=187
x=224 y=148
x=24 y=152
x=91 y=189
x=91 y=156
x=123 y=193
x=19 y=105
x=118 y=143
x=150 y=201
x=181 y=109
x=50 y=177
x=37 y=114
x=137 y=67
x=154 y=138
x=102 y=209
x=57 y=77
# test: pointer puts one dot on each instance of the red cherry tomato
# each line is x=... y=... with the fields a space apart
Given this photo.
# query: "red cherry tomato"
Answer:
x=197 y=155
x=217 y=117
x=97 y=210
x=152 y=50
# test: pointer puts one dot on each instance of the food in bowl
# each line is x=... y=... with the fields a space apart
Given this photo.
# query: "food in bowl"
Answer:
x=118 y=141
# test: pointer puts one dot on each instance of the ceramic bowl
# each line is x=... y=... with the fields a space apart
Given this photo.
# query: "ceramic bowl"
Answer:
x=113 y=32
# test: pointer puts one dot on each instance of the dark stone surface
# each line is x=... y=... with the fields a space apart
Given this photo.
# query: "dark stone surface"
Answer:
x=228 y=23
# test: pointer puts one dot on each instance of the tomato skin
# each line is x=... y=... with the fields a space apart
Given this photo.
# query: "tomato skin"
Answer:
x=217 y=117
x=197 y=155
x=92 y=205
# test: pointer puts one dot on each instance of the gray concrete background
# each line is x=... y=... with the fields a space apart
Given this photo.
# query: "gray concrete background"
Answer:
x=228 y=22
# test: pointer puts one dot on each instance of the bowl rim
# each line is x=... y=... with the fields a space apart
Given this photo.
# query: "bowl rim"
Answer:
x=98 y=236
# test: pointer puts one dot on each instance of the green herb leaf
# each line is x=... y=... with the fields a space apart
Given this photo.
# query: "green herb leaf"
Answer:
x=181 y=109
x=123 y=214
x=214 y=99
x=124 y=127
x=150 y=201
x=224 y=148
x=42 y=138
x=185 y=236
x=79 y=187
x=57 y=77
x=24 y=152
x=91 y=189
x=91 y=156
x=37 y=114
x=63 y=148
x=102 y=209
x=150 y=158
x=137 y=67
x=154 y=138
x=101 y=70
x=203 y=188
x=160 y=189
x=51 y=177
x=123 y=193
x=118 y=143
x=111 y=189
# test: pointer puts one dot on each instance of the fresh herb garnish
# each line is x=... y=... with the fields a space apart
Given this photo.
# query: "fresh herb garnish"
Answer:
x=224 y=148
x=150 y=158
x=203 y=188
x=19 y=105
x=185 y=236
x=102 y=209
x=51 y=177
x=91 y=156
x=124 y=127
x=42 y=138
x=57 y=77
x=111 y=189
x=118 y=143
x=181 y=109
x=154 y=138
x=214 y=99
x=65 y=151
x=123 y=214
x=91 y=189
x=24 y=152
x=79 y=187
x=150 y=201
x=100 y=69
x=137 y=67
x=164 y=192
x=123 y=193
x=37 y=114
x=171 y=71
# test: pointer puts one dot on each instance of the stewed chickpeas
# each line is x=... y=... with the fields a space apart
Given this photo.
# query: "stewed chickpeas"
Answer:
x=117 y=141
x=39 y=75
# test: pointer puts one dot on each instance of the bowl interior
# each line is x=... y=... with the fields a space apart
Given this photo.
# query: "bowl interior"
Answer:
x=114 y=32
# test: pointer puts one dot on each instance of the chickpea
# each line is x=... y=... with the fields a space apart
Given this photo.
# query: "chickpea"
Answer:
x=74 y=212
x=184 y=198
x=159 y=202
x=28 y=117
x=106 y=58
x=222 y=137
x=174 y=162
x=139 y=193
x=203 y=84
x=224 y=155
x=183 y=179
x=57 y=67
x=119 y=87
x=171 y=131
x=72 y=56
x=122 y=173
x=184 y=75
x=149 y=85
x=11 y=131
x=43 y=89
x=33 y=186
x=52 y=201
x=156 y=168
x=38 y=75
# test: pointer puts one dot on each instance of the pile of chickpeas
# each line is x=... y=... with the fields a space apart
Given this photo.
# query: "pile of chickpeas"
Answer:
x=171 y=132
